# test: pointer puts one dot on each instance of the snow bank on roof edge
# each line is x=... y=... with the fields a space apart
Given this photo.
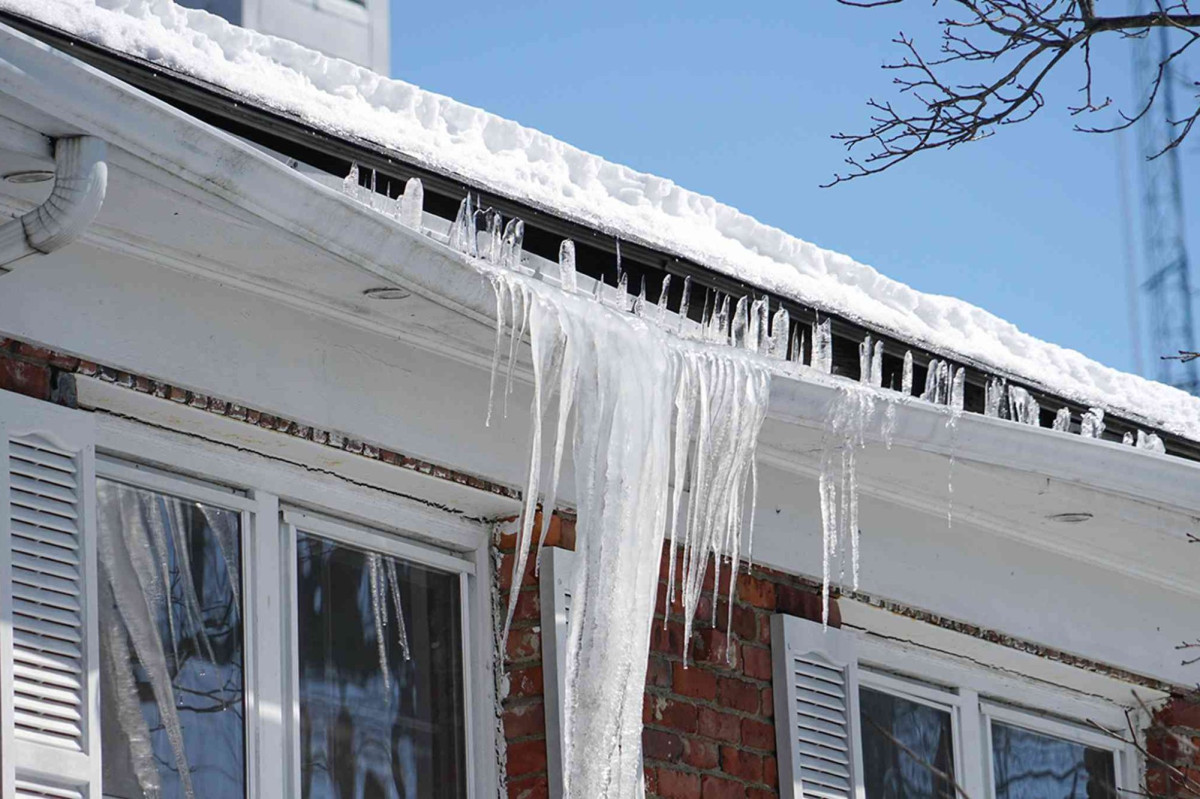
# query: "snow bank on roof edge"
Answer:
x=513 y=160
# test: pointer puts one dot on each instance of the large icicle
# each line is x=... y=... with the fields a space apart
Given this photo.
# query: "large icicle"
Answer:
x=640 y=405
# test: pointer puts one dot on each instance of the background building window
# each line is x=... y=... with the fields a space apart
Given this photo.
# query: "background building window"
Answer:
x=173 y=711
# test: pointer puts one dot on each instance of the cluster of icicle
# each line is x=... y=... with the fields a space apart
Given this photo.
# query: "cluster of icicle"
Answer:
x=385 y=585
x=650 y=416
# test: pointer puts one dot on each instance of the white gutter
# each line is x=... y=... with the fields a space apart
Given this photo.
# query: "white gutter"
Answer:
x=80 y=182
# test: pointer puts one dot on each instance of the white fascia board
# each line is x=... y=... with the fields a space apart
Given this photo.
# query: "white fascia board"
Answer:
x=221 y=165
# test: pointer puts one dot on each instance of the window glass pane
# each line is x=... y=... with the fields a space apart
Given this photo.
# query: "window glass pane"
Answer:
x=908 y=748
x=1028 y=765
x=172 y=711
x=373 y=721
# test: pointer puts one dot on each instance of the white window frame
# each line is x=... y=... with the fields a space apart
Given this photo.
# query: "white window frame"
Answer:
x=263 y=489
x=975 y=695
x=163 y=482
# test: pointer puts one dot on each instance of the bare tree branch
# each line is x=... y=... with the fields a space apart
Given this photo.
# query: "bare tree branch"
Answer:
x=1017 y=44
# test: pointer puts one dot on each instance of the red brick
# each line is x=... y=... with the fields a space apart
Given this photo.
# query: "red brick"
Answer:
x=534 y=787
x=745 y=622
x=694 y=682
x=526 y=757
x=741 y=764
x=700 y=754
x=758 y=735
x=650 y=776
x=798 y=602
x=504 y=577
x=528 y=607
x=770 y=771
x=712 y=647
x=659 y=745
x=677 y=784
x=1180 y=712
x=34 y=353
x=737 y=694
x=767 y=706
x=64 y=362
x=756 y=662
x=525 y=720
x=25 y=378
x=658 y=673
x=753 y=591
x=668 y=712
x=669 y=639
x=761 y=793
x=721 y=726
x=523 y=644
x=716 y=788
x=525 y=682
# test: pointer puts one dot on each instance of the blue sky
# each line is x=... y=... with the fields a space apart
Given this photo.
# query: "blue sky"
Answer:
x=739 y=102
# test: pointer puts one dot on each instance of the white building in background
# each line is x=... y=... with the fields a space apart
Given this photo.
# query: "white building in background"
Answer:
x=356 y=30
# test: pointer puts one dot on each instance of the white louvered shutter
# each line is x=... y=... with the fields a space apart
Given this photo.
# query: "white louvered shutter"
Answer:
x=815 y=682
x=556 y=580
x=49 y=700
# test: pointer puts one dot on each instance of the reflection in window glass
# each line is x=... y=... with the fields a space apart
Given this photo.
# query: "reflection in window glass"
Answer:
x=171 y=643
x=1028 y=765
x=373 y=721
x=908 y=749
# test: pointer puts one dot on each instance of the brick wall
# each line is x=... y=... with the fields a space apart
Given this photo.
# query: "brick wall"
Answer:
x=36 y=372
x=709 y=730
x=1173 y=748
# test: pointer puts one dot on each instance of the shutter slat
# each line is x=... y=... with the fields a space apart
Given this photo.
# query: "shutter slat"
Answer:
x=28 y=643
x=44 y=453
x=64 y=730
x=39 y=521
x=59 y=618
x=45 y=596
x=37 y=790
x=45 y=474
x=26 y=490
x=40 y=550
x=47 y=675
x=62 y=711
x=45 y=574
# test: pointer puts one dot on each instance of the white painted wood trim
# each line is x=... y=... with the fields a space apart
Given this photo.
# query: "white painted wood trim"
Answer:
x=556 y=579
x=377 y=540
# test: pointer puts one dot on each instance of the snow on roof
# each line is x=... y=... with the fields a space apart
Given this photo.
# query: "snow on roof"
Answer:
x=507 y=158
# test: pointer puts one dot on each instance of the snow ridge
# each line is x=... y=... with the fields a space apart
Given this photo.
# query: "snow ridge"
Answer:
x=448 y=136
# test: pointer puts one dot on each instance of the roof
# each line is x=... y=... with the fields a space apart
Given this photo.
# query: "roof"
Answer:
x=502 y=156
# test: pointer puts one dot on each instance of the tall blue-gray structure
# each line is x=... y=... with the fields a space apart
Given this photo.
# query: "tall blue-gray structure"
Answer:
x=1167 y=287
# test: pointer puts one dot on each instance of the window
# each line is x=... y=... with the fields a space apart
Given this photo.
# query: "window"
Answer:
x=171 y=645
x=380 y=675
x=859 y=729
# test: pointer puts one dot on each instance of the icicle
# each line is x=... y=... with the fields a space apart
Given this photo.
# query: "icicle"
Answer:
x=996 y=393
x=889 y=424
x=877 y=365
x=943 y=383
x=1150 y=442
x=1062 y=420
x=631 y=381
x=1091 y=424
x=379 y=611
x=822 y=347
x=567 y=277
x=401 y=625
x=493 y=236
x=758 y=324
x=1127 y=439
x=958 y=391
x=462 y=232
x=350 y=182
x=797 y=349
x=660 y=315
x=639 y=302
x=777 y=341
x=931 y=381
x=684 y=303
x=722 y=329
x=740 y=323
x=864 y=361
x=514 y=238
x=1024 y=409
x=906 y=379
x=501 y=290
x=412 y=204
